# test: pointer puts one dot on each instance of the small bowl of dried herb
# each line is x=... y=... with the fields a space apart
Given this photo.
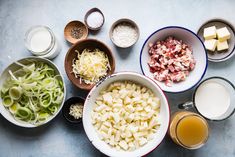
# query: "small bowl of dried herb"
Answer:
x=73 y=109
x=75 y=31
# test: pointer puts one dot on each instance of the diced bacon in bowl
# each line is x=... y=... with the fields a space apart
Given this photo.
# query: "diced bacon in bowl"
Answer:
x=171 y=60
x=174 y=58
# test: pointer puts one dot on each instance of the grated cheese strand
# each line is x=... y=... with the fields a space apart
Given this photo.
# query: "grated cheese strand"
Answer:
x=91 y=66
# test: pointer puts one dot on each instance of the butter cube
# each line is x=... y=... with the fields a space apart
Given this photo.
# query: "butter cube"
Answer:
x=222 y=45
x=210 y=44
x=223 y=34
x=209 y=33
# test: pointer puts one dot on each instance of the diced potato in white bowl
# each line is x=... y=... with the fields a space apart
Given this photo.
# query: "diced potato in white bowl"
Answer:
x=127 y=114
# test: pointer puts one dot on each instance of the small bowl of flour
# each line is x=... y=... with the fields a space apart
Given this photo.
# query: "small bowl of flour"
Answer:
x=124 y=33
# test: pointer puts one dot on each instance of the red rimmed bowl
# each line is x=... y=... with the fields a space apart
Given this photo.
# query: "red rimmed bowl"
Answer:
x=90 y=102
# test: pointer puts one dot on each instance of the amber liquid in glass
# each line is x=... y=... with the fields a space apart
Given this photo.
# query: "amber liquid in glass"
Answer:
x=188 y=129
x=191 y=131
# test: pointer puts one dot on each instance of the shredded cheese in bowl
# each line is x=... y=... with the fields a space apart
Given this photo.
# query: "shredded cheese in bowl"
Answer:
x=91 y=66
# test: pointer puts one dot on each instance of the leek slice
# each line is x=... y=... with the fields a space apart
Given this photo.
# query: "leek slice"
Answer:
x=15 y=92
x=23 y=113
x=7 y=101
x=45 y=99
x=13 y=108
x=43 y=116
x=53 y=109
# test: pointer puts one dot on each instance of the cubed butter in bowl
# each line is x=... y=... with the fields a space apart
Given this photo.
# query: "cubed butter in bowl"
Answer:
x=218 y=36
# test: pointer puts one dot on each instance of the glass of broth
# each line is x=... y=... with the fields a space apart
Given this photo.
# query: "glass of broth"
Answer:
x=188 y=129
x=214 y=99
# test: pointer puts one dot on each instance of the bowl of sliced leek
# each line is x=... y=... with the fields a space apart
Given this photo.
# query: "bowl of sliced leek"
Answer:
x=32 y=92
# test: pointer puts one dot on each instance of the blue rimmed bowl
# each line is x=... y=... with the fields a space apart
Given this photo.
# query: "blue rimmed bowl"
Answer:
x=199 y=53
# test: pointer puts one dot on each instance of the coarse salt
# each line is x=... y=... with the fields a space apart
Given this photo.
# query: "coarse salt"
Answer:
x=95 y=19
x=124 y=35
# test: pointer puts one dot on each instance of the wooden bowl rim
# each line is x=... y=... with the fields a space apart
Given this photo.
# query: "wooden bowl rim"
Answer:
x=82 y=25
x=88 y=86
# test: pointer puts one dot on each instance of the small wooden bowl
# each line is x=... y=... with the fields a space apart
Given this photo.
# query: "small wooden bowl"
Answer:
x=68 y=28
x=80 y=46
x=88 y=13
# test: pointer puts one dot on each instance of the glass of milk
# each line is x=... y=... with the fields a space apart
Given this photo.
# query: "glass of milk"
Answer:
x=41 y=41
x=214 y=99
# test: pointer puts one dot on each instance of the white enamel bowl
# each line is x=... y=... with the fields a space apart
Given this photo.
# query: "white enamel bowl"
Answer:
x=13 y=67
x=90 y=101
x=190 y=39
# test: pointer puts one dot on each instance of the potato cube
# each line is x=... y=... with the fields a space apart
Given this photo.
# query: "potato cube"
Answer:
x=143 y=141
x=123 y=145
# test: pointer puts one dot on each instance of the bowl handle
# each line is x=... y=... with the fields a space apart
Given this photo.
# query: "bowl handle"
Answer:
x=186 y=105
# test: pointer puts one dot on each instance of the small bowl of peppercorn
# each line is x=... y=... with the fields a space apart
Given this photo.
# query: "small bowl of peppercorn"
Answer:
x=72 y=109
x=75 y=31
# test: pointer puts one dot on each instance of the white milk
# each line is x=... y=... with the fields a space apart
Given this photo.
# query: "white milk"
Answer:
x=212 y=99
x=40 y=40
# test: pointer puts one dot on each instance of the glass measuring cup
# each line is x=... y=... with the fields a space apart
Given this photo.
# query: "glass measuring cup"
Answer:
x=214 y=99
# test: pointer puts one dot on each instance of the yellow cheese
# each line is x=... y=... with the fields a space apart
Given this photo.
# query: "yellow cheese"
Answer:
x=223 y=34
x=210 y=44
x=209 y=33
x=222 y=45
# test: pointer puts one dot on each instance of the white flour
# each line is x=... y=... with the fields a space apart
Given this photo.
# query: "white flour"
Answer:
x=124 y=35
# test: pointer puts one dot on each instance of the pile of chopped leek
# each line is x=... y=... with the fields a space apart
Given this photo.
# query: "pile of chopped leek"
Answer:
x=91 y=66
x=33 y=93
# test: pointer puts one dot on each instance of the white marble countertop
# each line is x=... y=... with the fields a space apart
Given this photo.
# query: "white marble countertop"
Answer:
x=60 y=138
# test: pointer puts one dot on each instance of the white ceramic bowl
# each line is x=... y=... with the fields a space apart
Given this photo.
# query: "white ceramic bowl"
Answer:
x=190 y=39
x=13 y=67
x=90 y=101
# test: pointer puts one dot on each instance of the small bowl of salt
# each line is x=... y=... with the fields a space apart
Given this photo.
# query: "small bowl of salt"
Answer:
x=94 y=19
x=124 y=33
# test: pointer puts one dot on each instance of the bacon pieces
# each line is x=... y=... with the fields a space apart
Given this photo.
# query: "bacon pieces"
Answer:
x=171 y=60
